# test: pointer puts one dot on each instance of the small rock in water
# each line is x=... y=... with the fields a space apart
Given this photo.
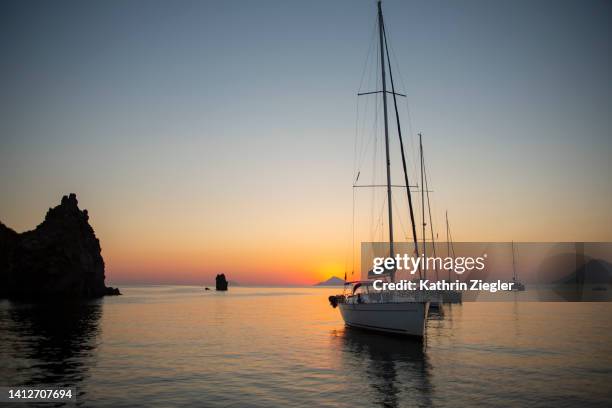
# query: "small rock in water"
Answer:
x=221 y=282
x=110 y=291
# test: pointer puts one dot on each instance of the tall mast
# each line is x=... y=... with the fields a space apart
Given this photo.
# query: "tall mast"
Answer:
x=399 y=131
x=448 y=243
x=384 y=96
x=423 y=202
x=513 y=264
x=433 y=241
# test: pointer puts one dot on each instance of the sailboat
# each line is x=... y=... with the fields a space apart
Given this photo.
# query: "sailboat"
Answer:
x=450 y=296
x=397 y=312
x=435 y=297
x=518 y=285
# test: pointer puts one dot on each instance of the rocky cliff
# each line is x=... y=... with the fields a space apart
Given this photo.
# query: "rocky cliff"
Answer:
x=61 y=258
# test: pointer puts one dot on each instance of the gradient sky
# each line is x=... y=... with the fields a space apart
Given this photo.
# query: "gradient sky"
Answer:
x=217 y=136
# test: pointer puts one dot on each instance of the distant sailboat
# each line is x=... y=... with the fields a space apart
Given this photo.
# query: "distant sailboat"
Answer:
x=518 y=285
x=363 y=307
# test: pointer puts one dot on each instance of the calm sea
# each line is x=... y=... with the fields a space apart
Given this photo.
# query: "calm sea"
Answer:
x=166 y=346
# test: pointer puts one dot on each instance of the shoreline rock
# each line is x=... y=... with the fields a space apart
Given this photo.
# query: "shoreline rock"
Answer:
x=61 y=258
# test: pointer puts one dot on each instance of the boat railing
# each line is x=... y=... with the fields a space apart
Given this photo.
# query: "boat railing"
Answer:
x=389 y=297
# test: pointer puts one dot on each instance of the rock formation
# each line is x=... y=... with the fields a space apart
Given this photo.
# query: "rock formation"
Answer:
x=221 y=282
x=59 y=259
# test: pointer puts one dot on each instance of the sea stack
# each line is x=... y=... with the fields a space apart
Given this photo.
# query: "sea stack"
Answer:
x=60 y=259
x=221 y=282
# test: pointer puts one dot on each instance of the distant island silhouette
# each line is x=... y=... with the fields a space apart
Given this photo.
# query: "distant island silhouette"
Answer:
x=333 y=281
x=60 y=259
x=592 y=272
x=578 y=276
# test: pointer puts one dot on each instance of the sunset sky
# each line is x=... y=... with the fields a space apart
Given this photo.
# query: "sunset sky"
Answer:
x=218 y=136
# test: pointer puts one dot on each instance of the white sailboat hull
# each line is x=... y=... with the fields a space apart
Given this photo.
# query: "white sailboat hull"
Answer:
x=406 y=318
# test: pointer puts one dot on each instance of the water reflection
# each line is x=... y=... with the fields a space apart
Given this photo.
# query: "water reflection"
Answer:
x=395 y=369
x=48 y=344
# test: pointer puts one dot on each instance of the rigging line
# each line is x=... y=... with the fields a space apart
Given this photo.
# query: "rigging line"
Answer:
x=365 y=146
x=382 y=219
x=374 y=161
x=358 y=145
x=408 y=113
x=411 y=141
x=433 y=206
x=433 y=242
x=448 y=247
x=367 y=141
x=376 y=145
x=356 y=137
x=375 y=123
x=353 y=238
x=403 y=229
x=369 y=66
x=452 y=243
x=361 y=141
x=368 y=53
x=370 y=105
x=378 y=223
x=366 y=68
x=399 y=131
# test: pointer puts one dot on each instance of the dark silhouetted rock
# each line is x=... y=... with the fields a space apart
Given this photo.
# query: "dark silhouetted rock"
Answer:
x=221 y=282
x=8 y=241
x=61 y=258
x=110 y=291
